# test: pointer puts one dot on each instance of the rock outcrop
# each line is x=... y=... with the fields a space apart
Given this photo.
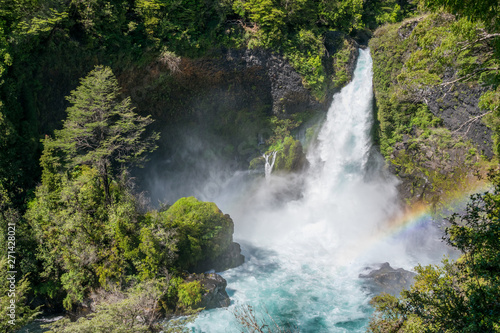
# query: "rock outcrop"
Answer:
x=231 y=258
x=232 y=79
x=429 y=123
x=457 y=105
x=215 y=295
x=384 y=278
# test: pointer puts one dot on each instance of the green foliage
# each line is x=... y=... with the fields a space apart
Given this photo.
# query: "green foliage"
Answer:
x=158 y=246
x=14 y=299
x=483 y=10
x=290 y=157
x=458 y=296
x=296 y=30
x=282 y=129
x=203 y=231
x=187 y=27
x=379 y=12
x=341 y=15
x=76 y=210
x=304 y=50
x=404 y=69
x=440 y=164
x=490 y=101
x=412 y=61
x=340 y=65
x=86 y=243
x=136 y=310
x=101 y=128
x=190 y=294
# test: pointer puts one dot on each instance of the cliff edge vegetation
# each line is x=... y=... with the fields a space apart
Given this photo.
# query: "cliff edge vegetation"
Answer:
x=436 y=84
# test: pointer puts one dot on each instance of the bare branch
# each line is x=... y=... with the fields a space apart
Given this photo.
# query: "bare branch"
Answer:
x=469 y=76
x=470 y=121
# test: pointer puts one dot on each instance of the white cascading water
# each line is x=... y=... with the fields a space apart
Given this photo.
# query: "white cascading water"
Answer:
x=268 y=168
x=303 y=257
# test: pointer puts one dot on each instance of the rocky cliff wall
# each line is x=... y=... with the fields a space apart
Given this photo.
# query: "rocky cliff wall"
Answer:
x=429 y=123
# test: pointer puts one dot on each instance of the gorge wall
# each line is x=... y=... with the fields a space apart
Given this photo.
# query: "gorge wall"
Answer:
x=430 y=126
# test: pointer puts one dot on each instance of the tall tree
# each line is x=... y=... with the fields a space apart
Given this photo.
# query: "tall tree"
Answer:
x=102 y=128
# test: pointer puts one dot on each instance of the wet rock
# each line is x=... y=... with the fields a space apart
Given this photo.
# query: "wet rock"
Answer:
x=231 y=258
x=458 y=106
x=384 y=278
x=335 y=41
x=215 y=295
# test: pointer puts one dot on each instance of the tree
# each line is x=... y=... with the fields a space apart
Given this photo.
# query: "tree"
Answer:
x=461 y=295
x=101 y=128
x=137 y=309
x=485 y=10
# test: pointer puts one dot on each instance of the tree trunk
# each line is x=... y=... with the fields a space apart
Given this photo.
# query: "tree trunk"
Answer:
x=105 y=181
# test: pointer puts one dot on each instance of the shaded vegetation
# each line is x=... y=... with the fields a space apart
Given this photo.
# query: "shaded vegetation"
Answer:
x=457 y=296
x=91 y=232
x=419 y=62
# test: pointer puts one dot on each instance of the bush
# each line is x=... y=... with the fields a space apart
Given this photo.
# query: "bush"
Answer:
x=291 y=157
x=190 y=294
x=458 y=296
x=204 y=232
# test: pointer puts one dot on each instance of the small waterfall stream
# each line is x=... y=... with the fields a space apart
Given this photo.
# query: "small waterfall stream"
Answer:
x=268 y=168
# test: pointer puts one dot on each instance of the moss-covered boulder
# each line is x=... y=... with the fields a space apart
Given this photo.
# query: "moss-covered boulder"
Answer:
x=213 y=291
x=291 y=157
x=204 y=233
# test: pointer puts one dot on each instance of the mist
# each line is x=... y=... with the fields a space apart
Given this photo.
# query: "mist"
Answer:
x=306 y=236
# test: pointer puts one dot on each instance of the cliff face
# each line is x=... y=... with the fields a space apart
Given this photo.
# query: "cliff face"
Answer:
x=430 y=126
x=458 y=106
x=220 y=109
x=228 y=96
x=178 y=88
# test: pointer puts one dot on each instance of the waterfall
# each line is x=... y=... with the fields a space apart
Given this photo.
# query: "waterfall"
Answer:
x=268 y=168
x=303 y=257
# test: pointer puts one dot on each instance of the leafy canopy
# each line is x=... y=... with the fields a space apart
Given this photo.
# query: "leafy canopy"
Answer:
x=101 y=127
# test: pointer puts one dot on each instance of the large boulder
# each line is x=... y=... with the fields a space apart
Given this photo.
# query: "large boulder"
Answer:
x=291 y=158
x=231 y=258
x=384 y=278
x=215 y=295
x=205 y=236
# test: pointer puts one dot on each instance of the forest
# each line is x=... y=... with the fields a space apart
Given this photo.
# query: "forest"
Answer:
x=75 y=223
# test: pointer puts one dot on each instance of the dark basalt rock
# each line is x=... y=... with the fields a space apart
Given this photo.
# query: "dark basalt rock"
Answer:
x=406 y=29
x=215 y=295
x=287 y=92
x=387 y=279
x=231 y=258
x=457 y=105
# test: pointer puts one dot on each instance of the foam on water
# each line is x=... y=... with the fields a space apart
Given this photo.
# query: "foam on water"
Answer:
x=303 y=257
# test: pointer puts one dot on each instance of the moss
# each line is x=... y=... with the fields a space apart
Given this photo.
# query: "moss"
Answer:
x=432 y=161
x=439 y=166
x=204 y=232
x=341 y=61
x=290 y=157
x=190 y=294
x=257 y=163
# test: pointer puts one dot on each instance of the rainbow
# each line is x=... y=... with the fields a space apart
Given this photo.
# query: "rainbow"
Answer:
x=414 y=218
x=420 y=212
